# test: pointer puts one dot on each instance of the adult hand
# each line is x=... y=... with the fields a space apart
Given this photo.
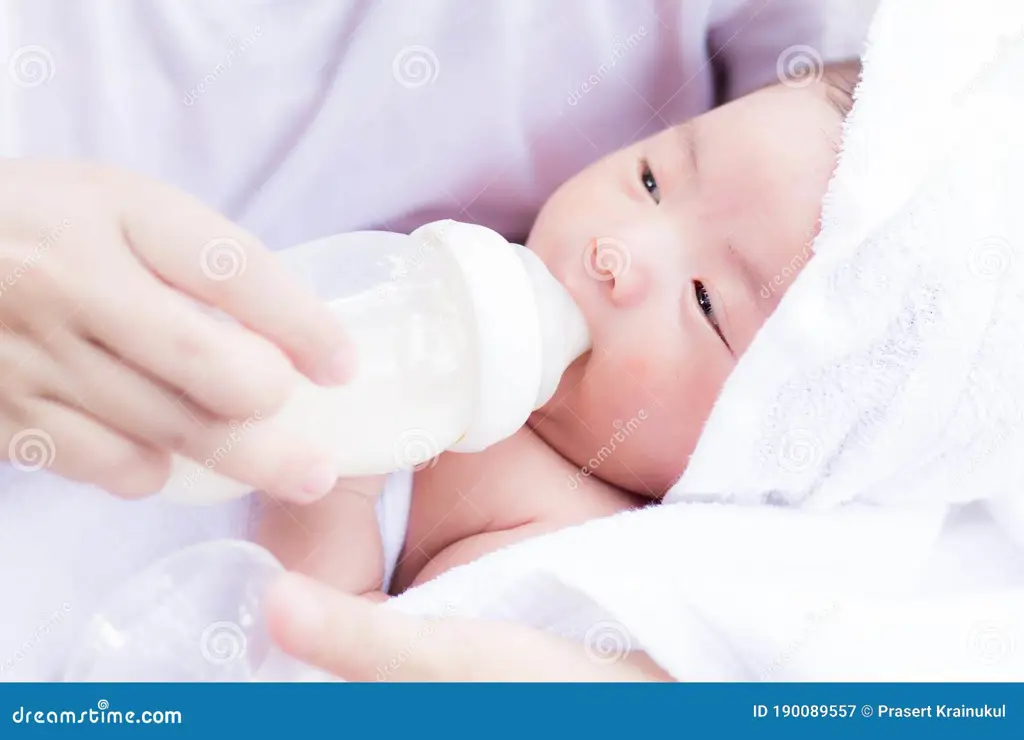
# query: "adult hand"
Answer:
x=358 y=640
x=109 y=359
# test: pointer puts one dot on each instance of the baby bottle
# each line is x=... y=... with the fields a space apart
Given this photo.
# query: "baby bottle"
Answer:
x=459 y=335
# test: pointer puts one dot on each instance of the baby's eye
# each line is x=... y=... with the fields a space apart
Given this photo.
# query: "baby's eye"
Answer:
x=704 y=301
x=649 y=183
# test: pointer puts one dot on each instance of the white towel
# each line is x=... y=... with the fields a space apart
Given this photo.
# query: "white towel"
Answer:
x=392 y=509
x=886 y=389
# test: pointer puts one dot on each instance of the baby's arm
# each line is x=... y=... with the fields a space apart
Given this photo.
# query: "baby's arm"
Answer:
x=335 y=540
x=466 y=506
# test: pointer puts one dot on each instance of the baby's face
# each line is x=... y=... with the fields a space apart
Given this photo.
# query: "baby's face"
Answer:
x=677 y=249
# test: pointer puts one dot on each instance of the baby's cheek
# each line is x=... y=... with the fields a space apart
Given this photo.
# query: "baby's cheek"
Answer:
x=665 y=375
x=628 y=383
x=650 y=359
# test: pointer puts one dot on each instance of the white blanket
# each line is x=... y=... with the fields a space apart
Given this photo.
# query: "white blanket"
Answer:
x=887 y=389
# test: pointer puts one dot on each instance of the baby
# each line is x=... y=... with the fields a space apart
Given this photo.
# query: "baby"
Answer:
x=676 y=249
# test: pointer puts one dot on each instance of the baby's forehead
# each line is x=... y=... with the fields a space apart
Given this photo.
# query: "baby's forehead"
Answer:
x=835 y=85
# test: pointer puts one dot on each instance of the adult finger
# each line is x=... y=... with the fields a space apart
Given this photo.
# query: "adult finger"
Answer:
x=361 y=641
x=348 y=636
x=262 y=455
x=222 y=368
x=200 y=252
x=77 y=447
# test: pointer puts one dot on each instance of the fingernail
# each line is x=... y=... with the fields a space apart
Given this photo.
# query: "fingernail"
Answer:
x=319 y=479
x=302 y=609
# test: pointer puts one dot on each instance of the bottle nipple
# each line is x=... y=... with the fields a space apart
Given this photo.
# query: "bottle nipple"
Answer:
x=528 y=330
x=563 y=328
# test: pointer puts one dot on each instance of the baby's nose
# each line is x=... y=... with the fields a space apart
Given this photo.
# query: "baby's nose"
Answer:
x=610 y=261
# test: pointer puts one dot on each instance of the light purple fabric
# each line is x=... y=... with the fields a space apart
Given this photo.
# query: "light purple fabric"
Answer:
x=306 y=118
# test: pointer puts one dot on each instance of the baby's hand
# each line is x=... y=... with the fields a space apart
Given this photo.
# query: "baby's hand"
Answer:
x=335 y=540
x=108 y=367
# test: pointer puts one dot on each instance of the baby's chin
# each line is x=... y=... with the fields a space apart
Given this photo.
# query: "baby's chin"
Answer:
x=614 y=448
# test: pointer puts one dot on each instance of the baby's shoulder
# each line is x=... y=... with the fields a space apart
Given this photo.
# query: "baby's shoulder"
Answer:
x=466 y=505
